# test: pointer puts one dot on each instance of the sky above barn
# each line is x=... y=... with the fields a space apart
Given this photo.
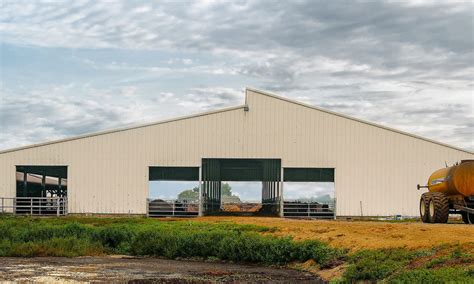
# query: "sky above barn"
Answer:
x=73 y=67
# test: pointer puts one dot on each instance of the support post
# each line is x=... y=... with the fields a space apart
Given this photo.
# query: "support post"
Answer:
x=148 y=207
x=43 y=191
x=200 y=191
x=60 y=191
x=58 y=205
x=25 y=183
x=220 y=194
x=335 y=199
x=272 y=191
x=43 y=186
x=282 y=202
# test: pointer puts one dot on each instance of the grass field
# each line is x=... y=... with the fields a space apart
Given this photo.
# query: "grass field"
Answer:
x=335 y=250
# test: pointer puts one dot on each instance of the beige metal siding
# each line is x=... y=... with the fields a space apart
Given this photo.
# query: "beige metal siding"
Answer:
x=375 y=167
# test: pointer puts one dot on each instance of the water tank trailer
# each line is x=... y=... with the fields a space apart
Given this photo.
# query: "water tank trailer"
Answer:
x=450 y=190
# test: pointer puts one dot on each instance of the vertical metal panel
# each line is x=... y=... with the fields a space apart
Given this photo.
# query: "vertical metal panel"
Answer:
x=108 y=173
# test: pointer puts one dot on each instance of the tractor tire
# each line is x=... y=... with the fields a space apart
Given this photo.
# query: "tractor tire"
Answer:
x=424 y=207
x=467 y=218
x=438 y=208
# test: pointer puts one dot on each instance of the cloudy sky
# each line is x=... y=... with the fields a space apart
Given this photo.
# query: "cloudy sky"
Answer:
x=82 y=66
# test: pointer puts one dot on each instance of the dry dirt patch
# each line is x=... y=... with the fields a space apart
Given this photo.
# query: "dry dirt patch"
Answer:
x=356 y=235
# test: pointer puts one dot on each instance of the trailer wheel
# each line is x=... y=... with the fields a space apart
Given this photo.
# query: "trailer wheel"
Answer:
x=467 y=218
x=438 y=208
x=424 y=207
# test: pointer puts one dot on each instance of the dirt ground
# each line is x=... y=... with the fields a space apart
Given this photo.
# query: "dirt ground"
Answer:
x=141 y=270
x=356 y=235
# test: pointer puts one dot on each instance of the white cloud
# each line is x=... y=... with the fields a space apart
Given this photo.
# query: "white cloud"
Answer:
x=406 y=65
x=56 y=112
x=205 y=98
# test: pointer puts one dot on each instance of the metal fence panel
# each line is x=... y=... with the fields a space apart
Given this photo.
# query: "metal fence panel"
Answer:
x=297 y=209
x=172 y=208
x=34 y=206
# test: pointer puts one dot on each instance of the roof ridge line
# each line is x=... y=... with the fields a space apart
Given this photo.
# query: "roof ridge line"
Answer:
x=120 y=129
x=270 y=94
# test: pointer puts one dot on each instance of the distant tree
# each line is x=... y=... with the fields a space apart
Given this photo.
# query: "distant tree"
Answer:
x=189 y=194
x=226 y=190
x=193 y=194
x=227 y=196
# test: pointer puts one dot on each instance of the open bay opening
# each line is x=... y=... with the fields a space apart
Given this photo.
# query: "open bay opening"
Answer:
x=173 y=191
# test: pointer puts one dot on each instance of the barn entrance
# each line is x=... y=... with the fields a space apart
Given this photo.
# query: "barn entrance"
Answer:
x=309 y=193
x=173 y=192
x=220 y=185
x=40 y=190
x=265 y=171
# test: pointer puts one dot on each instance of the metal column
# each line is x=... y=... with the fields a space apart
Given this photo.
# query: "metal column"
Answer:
x=200 y=191
x=281 y=193
x=25 y=184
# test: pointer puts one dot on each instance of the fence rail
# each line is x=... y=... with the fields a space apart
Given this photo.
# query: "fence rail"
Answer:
x=34 y=206
x=172 y=208
x=296 y=209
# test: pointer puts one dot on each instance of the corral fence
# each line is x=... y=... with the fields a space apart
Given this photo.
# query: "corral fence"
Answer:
x=172 y=208
x=34 y=206
x=316 y=210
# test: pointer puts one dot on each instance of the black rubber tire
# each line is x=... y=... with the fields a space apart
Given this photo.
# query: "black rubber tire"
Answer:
x=467 y=218
x=424 y=207
x=441 y=208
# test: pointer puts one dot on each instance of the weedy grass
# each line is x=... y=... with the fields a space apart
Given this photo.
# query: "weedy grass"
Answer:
x=441 y=264
x=441 y=275
x=149 y=237
x=79 y=236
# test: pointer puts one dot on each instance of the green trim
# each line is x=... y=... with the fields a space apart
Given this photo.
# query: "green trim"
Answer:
x=309 y=174
x=174 y=173
x=241 y=169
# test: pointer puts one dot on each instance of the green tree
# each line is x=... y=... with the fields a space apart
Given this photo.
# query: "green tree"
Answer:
x=189 y=194
x=193 y=194
x=226 y=190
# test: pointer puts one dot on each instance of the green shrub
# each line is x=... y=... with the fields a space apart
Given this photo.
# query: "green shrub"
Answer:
x=68 y=247
x=115 y=238
x=92 y=236
x=230 y=245
x=376 y=264
x=442 y=275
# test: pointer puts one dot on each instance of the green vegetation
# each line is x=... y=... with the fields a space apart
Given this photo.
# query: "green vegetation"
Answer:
x=442 y=275
x=193 y=194
x=441 y=264
x=189 y=194
x=376 y=264
x=227 y=241
x=148 y=237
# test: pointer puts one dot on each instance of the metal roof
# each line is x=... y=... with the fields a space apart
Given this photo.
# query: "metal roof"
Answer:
x=245 y=106
x=356 y=119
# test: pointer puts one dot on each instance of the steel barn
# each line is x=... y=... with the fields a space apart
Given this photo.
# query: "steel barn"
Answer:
x=375 y=169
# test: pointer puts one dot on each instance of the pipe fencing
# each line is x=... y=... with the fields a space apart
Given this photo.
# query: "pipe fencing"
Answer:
x=172 y=208
x=34 y=206
x=316 y=210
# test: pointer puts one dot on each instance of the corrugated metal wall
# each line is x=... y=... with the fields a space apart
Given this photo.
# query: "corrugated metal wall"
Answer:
x=375 y=167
